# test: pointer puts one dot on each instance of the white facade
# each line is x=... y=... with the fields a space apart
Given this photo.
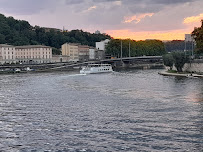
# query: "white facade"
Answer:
x=97 y=32
x=101 y=45
x=7 y=54
x=33 y=54
x=92 y=53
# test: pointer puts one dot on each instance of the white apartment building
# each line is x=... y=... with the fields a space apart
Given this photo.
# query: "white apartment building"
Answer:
x=189 y=38
x=33 y=54
x=71 y=50
x=7 y=54
x=101 y=45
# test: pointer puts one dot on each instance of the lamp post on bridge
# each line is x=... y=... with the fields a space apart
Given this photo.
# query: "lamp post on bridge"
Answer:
x=121 y=50
x=129 y=48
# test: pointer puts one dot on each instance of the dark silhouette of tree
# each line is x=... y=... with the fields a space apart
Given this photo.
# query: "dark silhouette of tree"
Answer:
x=17 y=32
x=198 y=36
x=137 y=48
x=168 y=60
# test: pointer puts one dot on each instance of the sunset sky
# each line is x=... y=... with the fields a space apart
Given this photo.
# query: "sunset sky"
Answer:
x=134 y=19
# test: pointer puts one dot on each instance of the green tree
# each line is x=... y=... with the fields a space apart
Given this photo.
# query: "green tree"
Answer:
x=56 y=51
x=179 y=60
x=198 y=36
x=175 y=45
x=139 y=48
x=19 y=32
x=168 y=60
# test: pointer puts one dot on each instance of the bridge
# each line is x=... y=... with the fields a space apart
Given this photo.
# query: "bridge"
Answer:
x=115 y=62
x=119 y=62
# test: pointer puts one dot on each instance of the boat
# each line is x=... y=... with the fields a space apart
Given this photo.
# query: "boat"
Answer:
x=17 y=70
x=96 y=68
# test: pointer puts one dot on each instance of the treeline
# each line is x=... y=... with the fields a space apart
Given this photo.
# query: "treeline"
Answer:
x=178 y=45
x=137 y=48
x=17 y=32
x=175 y=45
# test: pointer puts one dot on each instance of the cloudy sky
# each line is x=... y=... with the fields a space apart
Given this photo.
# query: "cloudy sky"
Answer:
x=135 y=19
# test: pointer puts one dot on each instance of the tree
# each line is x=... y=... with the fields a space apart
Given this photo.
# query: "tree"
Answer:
x=139 y=48
x=56 y=51
x=168 y=60
x=175 y=45
x=179 y=60
x=198 y=36
x=17 y=32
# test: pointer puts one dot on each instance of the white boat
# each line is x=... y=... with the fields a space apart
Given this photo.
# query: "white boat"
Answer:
x=96 y=68
x=17 y=70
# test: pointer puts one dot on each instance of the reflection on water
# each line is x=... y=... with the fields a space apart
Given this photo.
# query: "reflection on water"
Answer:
x=136 y=110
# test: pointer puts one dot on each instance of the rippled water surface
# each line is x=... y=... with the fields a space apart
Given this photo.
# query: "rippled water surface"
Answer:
x=126 y=111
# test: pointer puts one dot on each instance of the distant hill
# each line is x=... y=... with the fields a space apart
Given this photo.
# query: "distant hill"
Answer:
x=20 y=32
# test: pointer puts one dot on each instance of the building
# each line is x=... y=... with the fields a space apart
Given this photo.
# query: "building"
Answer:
x=83 y=51
x=70 y=50
x=60 y=58
x=7 y=54
x=189 y=38
x=189 y=43
x=97 y=32
x=92 y=53
x=102 y=45
x=33 y=54
x=100 y=55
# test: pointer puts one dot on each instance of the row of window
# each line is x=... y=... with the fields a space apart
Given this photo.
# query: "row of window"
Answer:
x=33 y=49
x=103 y=70
x=28 y=57
x=10 y=48
x=21 y=53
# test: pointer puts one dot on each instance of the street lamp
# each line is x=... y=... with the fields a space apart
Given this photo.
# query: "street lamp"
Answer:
x=129 y=48
x=121 y=50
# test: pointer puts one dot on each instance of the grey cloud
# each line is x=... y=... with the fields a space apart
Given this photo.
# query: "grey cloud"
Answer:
x=107 y=15
x=70 y=2
x=24 y=6
x=171 y=1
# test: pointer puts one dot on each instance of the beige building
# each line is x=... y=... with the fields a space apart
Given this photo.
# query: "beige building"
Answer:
x=83 y=51
x=70 y=50
x=60 y=58
x=7 y=54
x=33 y=54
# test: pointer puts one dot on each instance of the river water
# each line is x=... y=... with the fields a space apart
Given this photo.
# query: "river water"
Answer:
x=129 y=111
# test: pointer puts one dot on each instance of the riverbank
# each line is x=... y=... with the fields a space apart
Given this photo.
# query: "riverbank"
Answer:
x=166 y=73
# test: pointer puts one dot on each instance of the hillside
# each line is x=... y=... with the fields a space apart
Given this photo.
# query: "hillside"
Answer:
x=19 y=32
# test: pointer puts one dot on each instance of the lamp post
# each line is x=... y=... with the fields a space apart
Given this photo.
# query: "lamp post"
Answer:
x=129 y=48
x=121 y=50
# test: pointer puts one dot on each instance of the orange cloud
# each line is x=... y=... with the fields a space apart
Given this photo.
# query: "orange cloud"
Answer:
x=138 y=18
x=193 y=19
x=90 y=9
x=171 y=35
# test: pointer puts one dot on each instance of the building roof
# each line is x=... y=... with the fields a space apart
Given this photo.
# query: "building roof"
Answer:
x=6 y=45
x=75 y=44
x=31 y=46
x=83 y=46
x=91 y=47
